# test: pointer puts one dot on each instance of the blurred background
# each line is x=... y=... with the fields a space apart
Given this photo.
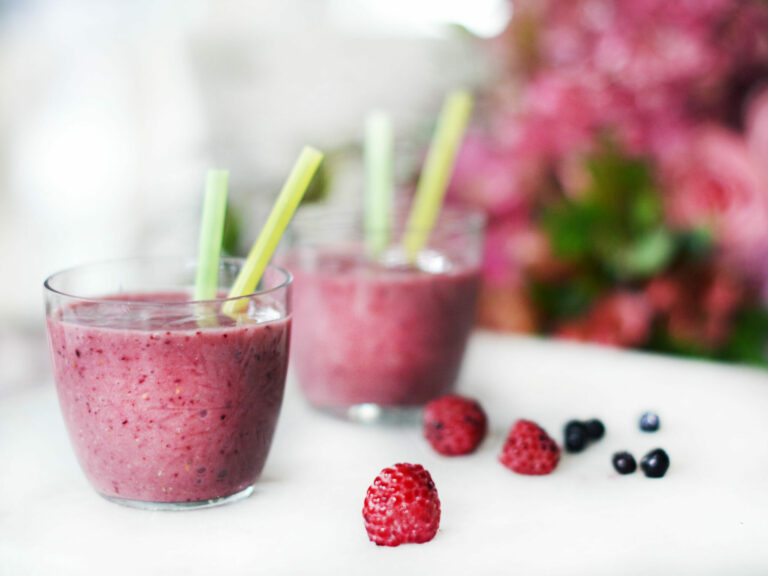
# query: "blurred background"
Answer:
x=111 y=112
x=619 y=147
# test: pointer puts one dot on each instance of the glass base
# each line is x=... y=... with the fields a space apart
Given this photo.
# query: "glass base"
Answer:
x=375 y=414
x=176 y=506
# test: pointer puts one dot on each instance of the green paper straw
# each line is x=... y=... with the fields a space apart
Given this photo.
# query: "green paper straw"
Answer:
x=211 y=231
x=282 y=212
x=379 y=144
x=437 y=170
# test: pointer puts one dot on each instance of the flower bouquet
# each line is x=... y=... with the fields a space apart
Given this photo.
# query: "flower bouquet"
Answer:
x=622 y=160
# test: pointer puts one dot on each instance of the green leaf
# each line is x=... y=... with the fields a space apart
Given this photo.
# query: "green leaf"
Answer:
x=644 y=257
x=749 y=340
x=569 y=299
x=662 y=342
x=695 y=244
x=230 y=239
x=616 y=225
x=569 y=227
x=646 y=210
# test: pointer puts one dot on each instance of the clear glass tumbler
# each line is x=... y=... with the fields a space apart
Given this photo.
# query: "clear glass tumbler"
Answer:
x=169 y=403
x=378 y=333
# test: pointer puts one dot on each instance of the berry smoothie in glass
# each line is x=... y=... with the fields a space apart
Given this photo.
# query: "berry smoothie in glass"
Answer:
x=169 y=403
x=377 y=335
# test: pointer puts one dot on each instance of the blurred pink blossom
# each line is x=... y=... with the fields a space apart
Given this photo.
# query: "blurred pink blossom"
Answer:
x=492 y=177
x=651 y=59
x=664 y=294
x=757 y=130
x=561 y=114
x=512 y=247
x=745 y=38
x=696 y=306
x=716 y=185
x=638 y=43
x=664 y=81
x=621 y=319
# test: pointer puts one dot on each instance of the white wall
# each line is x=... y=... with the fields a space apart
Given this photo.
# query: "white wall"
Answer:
x=110 y=112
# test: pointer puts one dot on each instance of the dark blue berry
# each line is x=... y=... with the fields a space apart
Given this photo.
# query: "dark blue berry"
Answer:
x=575 y=436
x=595 y=429
x=574 y=425
x=624 y=463
x=649 y=422
x=655 y=463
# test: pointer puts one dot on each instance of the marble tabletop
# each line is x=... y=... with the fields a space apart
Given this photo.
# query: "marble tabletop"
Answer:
x=709 y=515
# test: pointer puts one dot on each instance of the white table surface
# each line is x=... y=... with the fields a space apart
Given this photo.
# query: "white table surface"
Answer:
x=709 y=515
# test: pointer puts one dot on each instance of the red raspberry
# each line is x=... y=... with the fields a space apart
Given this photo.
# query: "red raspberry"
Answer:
x=529 y=450
x=401 y=506
x=454 y=425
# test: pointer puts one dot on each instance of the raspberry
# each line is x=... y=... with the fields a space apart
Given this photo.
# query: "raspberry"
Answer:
x=529 y=450
x=401 y=506
x=454 y=425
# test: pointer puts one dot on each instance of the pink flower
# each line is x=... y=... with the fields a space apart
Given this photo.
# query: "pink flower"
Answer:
x=636 y=43
x=655 y=77
x=757 y=131
x=513 y=246
x=491 y=177
x=622 y=319
x=715 y=294
x=696 y=306
x=723 y=296
x=745 y=38
x=564 y=112
x=717 y=185
x=654 y=56
x=664 y=294
x=561 y=114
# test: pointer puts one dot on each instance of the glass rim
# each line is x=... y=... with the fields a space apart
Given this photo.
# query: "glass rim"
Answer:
x=286 y=281
x=461 y=218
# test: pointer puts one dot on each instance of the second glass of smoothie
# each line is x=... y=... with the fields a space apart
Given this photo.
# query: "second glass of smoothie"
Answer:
x=378 y=333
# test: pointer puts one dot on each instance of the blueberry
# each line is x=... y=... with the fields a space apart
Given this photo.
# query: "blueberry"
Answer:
x=595 y=429
x=574 y=425
x=649 y=422
x=624 y=463
x=655 y=463
x=575 y=442
x=575 y=436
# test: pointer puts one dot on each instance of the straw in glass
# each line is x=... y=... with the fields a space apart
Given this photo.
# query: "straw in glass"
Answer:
x=211 y=232
x=437 y=170
x=287 y=201
x=378 y=152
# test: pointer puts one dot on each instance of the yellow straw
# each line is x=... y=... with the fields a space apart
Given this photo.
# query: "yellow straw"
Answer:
x=282 y=212
x=437 y=171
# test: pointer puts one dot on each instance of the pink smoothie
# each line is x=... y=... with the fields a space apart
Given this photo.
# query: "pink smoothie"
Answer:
x=366 y=333
x=160 y=414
